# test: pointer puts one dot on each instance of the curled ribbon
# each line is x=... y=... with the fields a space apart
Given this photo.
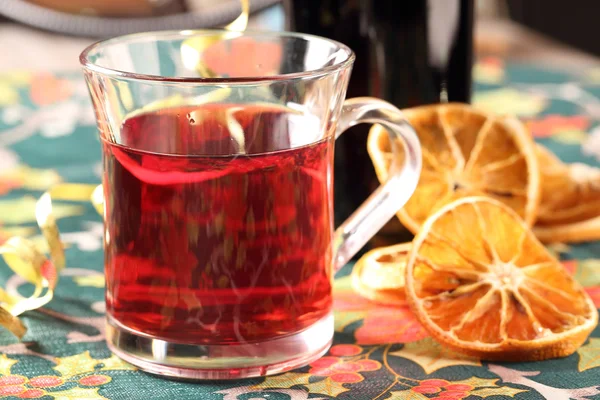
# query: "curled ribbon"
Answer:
x=192 y=48
x=31 y=264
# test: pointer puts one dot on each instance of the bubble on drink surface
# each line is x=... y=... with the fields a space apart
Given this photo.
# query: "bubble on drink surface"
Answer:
x=190 y=118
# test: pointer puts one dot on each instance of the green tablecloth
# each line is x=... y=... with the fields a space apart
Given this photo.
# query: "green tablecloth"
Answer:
x=47 y=135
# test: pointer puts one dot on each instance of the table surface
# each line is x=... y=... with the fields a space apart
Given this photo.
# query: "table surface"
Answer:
x=47 y=135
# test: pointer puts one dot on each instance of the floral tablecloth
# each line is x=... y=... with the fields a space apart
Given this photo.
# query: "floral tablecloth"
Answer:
x=47 y=135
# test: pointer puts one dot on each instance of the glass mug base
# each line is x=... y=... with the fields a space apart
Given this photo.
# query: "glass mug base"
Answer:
x=201 y=362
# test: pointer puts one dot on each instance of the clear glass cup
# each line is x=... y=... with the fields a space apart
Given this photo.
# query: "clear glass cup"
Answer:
x=218 y=172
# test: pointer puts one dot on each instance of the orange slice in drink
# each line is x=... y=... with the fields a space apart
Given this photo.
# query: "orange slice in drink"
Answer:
x=570 y=206
x=481 y=283
x=465 y=153
x=379 y=274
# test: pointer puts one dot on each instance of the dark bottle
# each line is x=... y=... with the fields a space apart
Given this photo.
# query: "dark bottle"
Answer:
x=408 y=53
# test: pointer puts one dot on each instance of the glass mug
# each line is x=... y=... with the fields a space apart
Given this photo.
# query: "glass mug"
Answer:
x=218 y=172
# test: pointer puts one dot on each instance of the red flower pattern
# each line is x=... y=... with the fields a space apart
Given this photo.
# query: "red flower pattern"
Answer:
x=552 y=124
x=345 y=350
x=443 y=389
x=594 y=293
x=243 y=56
x=382 y=324
x=48 y=89
x=341 y=370
x=46 y=381
x=9 y=183
x=33 y=388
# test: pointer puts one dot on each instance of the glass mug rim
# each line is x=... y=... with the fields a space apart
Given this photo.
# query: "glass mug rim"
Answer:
x=170 y=35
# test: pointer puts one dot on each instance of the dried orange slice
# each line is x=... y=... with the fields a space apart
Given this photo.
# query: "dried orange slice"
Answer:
x=379 y=274
x=570 y=206
x=481 y=283
x=465 y=152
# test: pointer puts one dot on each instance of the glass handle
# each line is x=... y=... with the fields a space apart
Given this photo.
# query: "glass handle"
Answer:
x=390 y=197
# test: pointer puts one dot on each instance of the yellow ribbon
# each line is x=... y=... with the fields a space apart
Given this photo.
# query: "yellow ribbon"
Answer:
x=31 y=264
x=241 y=22
x=192 y=48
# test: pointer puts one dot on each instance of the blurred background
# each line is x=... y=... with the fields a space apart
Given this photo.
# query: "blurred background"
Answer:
x=49 y=34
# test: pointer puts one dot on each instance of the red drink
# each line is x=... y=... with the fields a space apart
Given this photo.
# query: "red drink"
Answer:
x=206 y=247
